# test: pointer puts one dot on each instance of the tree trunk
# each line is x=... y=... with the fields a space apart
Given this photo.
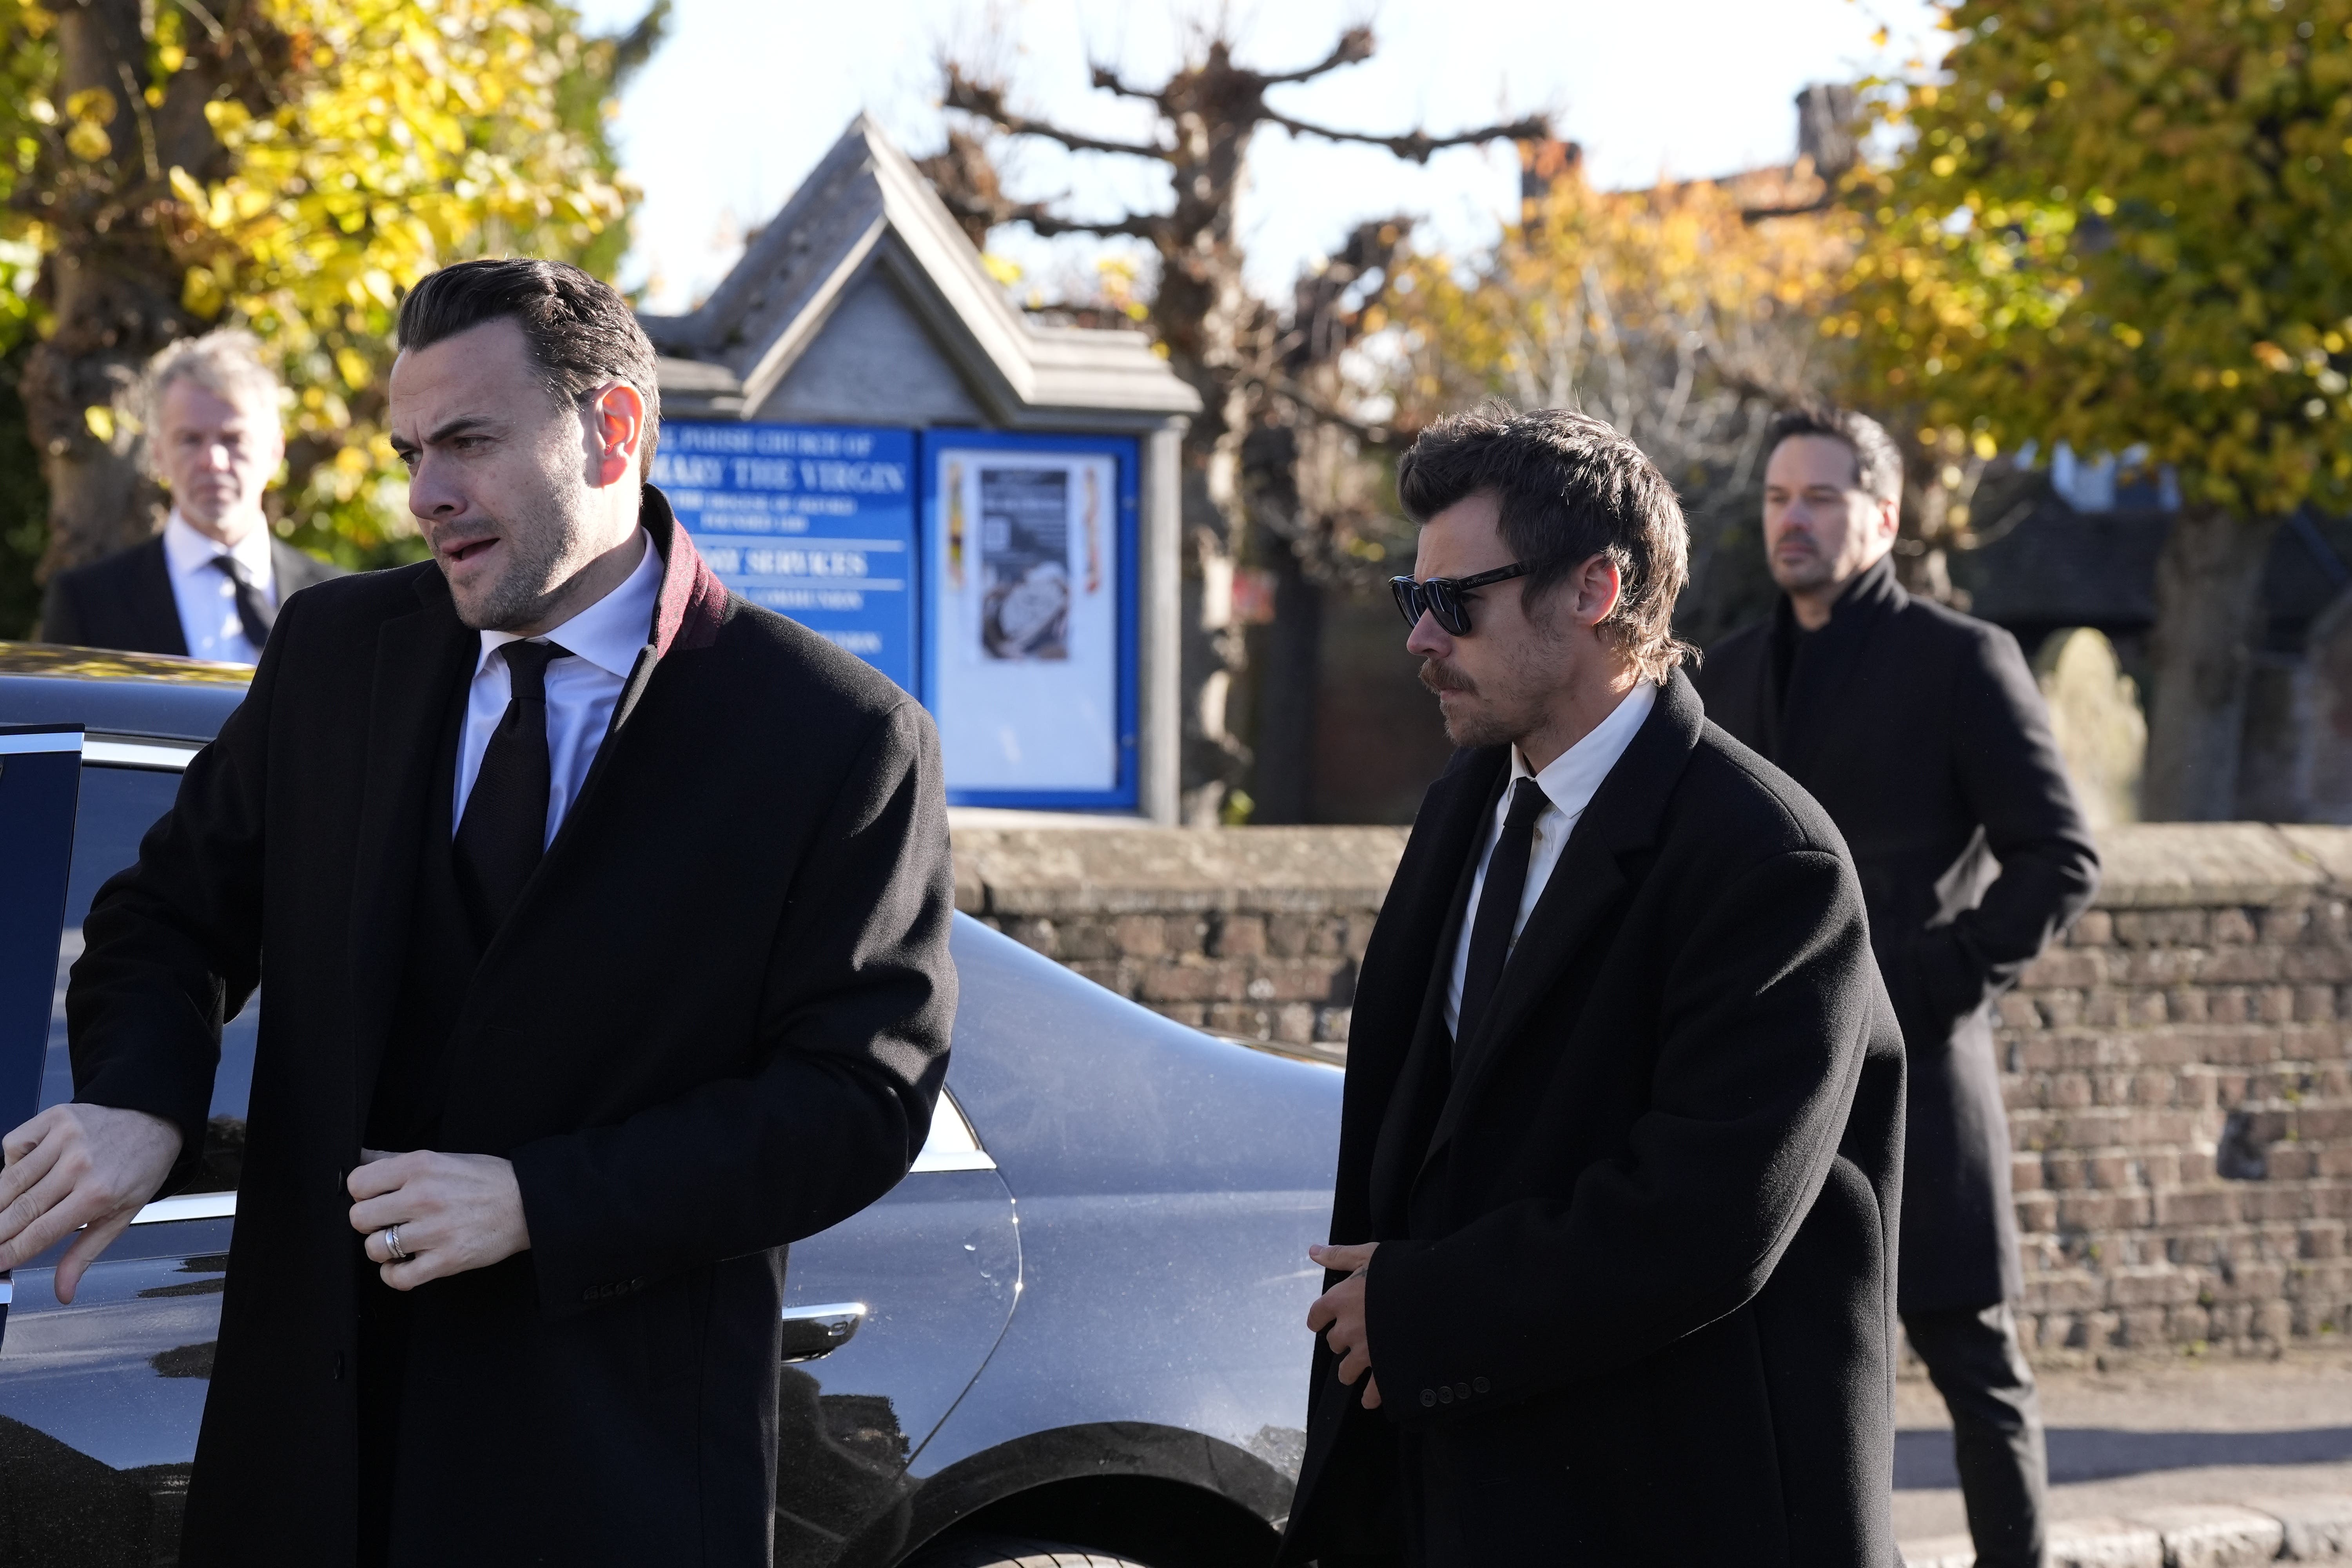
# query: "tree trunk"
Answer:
x=2208 y=583
x=113 y=287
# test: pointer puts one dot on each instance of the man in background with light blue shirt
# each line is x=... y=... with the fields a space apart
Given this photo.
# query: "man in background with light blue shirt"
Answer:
x=209 y=585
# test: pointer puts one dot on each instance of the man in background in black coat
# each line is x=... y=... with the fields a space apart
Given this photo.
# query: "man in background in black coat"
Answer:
x=1611 y=1280
x=208 y=585
x=1921 y=732
x=606 y=917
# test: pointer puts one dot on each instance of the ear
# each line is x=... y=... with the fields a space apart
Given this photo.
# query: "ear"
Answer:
x=615 y=414
x=1594 y=587
x=1890 y=518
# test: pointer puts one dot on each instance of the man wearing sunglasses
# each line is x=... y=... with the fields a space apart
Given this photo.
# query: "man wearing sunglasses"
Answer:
x=1921 y=732
x=1610 y=1279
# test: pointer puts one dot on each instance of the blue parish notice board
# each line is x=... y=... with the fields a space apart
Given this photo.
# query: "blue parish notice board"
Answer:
x=816 y=522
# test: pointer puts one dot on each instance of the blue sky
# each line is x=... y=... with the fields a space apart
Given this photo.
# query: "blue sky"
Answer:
x=747 y=94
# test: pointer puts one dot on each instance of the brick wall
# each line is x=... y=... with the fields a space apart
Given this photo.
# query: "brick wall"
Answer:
x=2177 y=1073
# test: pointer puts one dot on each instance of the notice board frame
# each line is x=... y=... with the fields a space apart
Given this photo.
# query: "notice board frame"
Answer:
x=1126 y=454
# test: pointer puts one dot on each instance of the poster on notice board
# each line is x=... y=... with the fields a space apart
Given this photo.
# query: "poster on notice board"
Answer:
x=1026 y=662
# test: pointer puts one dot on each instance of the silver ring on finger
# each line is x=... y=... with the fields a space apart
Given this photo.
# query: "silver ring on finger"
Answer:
x=392 y=1244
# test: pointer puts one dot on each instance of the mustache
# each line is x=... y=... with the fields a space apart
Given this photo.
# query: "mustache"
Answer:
x=1439 y=676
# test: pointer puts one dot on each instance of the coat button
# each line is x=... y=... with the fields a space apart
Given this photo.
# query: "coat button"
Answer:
x=1445 y=1395
x=1479 y=1383
x=1462 y=1390
x=1428 y=1397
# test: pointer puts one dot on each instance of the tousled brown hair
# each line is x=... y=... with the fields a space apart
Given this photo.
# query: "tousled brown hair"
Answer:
x=1571 y=488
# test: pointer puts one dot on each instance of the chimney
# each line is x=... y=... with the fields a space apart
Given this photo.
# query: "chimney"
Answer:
x=1544 y=164
x=1826 y=112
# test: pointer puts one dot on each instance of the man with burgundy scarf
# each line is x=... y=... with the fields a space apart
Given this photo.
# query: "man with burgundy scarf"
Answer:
x=1612 y=1279
x=606 y=922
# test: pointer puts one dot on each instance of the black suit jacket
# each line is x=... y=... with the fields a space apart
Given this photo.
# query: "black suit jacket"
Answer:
x=1633 y=1299
x=715 y=1023
x=125 y=601
x=1922 y=733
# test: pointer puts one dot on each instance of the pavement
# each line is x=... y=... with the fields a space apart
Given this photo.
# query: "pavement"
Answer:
x=2205 y=1438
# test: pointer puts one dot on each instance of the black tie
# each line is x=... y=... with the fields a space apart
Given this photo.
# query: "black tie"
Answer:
x=504 y=830
x=1498 y=905
x=254 y=613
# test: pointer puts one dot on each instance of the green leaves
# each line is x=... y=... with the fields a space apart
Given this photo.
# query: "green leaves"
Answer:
x=2111 y=227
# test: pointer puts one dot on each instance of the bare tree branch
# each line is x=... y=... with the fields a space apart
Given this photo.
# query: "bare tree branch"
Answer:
x=1354 y=47
x=1040 y=217
x=1417 y=145
x=1290 y=392
x=1107 y=78
x=988 y=103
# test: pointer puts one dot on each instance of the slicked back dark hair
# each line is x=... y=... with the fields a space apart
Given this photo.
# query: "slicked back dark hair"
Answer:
x=581 y=331
x=1877 y=461
x=1570 y=489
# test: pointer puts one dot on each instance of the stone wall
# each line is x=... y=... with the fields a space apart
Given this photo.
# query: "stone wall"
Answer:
x=2177 y=1072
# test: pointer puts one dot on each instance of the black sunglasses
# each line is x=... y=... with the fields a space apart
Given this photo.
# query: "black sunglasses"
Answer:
x=1448 y=598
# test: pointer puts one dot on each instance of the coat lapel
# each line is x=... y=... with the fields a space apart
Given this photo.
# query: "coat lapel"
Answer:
x=687 y=614
x=1585 y=885
x=1463 y=818
x=1828 y=662
x=158 y=607
x=422 y=660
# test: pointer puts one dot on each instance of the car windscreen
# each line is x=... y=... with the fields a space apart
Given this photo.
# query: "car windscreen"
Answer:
x=118 y=806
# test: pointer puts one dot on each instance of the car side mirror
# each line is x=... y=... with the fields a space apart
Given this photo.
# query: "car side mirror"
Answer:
x=814 y=1331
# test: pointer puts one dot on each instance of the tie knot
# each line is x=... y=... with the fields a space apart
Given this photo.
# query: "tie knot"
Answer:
x=1528 y=802
x=527 y=665
x=235 y=569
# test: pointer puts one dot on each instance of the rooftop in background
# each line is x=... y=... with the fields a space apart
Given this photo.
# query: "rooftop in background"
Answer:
x=862 y=299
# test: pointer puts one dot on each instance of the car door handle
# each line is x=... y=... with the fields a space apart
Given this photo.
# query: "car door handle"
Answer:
x=814 y=1331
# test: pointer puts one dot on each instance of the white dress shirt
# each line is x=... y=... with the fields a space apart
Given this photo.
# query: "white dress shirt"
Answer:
x=603 y=641
x=205 y=596
x=1568 y=784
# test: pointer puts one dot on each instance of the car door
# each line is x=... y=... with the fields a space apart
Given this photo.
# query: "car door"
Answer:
x=922 y=1283
x=100 y=1401
x=889 y=1316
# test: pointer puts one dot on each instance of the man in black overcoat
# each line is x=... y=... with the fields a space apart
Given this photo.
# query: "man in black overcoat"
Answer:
x=1612 y=1279
x=207 y=587
x=600 y=970
x=1921 y=732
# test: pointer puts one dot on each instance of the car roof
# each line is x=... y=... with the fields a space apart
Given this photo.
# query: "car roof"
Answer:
x=118 y=693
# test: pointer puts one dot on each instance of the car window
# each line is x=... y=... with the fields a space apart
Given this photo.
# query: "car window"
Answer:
x=118 y=806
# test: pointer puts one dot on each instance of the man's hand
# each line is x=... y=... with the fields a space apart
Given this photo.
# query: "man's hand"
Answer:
x=1341 y=1310
x=454 y=1211
x=74 y=1166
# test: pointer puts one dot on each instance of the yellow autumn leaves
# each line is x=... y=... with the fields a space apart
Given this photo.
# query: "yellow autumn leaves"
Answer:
x=423 y=131
x=366 y=142
x=2118 y=227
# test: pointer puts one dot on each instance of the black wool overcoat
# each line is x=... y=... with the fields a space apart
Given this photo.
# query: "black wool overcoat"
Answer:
x=1923 y=735
x=1635 y=1293
x=716 y=1021
x=125 y=602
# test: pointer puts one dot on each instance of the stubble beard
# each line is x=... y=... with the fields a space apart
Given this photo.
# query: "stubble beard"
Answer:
x=1469 y=727
x=520 y=596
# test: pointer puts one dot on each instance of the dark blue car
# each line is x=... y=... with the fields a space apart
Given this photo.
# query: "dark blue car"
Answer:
x=1077 y=1325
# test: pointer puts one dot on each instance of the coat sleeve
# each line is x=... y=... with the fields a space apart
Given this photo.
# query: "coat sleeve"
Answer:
x=2014 y=781
x=860 y=1003
x=171 y=947
x=1770 y=1006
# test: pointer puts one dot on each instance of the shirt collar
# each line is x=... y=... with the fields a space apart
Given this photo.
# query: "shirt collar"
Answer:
x=610 y=633
x=1570 y=780
x=187 y=552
